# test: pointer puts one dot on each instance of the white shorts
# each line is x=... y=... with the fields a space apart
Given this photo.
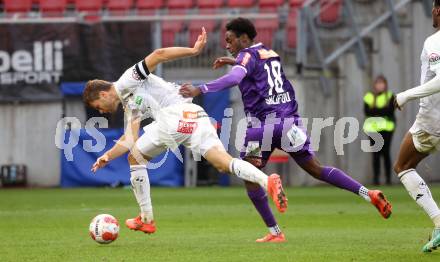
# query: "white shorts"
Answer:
x=186 y=124
x=423 y=141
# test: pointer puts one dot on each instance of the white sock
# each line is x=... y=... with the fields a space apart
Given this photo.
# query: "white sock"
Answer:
x=363 y=192
x=436 y=221
x=248 y=172
x=419 y=191
x=141 y=189
x=275 y=230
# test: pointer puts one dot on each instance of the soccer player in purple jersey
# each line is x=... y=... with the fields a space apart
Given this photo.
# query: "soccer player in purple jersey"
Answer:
x=268 y=95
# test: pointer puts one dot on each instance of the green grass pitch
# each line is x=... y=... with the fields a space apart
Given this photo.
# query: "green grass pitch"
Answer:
x=211 y=224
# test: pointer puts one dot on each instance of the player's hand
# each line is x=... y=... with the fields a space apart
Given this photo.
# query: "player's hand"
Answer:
x=188 y=90
x=200 y=43
x=400 y=100
x=100 y=162
x=396 y=105
x=222 y=61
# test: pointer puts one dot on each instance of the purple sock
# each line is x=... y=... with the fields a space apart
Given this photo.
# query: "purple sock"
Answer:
x=259 y=198
x=338 y=178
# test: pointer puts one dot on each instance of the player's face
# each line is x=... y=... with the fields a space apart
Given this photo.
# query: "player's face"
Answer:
x=233 y=43
x=380 y=86
x=104 y=104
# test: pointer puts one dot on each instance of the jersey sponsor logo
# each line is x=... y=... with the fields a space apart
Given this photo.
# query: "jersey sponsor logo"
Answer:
x=190 y=115
x=43 y=63
x=245 y=60
x=266 y=54
x=186 y=127
x=434 y=59
x=135 y=75
x=138 y=100
x=194 y=114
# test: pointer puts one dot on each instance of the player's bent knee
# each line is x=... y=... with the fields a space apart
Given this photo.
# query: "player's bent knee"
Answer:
x=219 y=159
x=221 y=167
x=137 y=158
x=132 y=160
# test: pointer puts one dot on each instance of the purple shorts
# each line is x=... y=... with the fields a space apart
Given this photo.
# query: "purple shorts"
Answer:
x=261 y=141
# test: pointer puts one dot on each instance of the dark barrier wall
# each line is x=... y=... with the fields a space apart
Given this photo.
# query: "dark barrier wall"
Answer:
x=36 y=58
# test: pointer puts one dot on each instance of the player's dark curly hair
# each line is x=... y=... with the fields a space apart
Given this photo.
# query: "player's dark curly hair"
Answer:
x=92 y=89
x=436 y=3
x=242 y=26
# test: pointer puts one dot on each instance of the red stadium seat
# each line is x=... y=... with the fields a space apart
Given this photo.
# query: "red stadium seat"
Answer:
x=291 y=30
x=223 y=32
x=56 y=7
x=148 y=7
x=171 y=28
x=270 y=3
x=266 y=31
x=70 y=3
x=296 y=3
x=119 y=6
x=268 y=9
x=17 y=6
x=196 y=25
x=240 y=3
x=330 y=12
x=179 y=4
x=149 y=4
x=91 y=7
x=209 y=4
x=88 y=5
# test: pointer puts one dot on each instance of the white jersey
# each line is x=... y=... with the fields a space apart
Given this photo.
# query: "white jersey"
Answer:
x=177 y=120
x=428 y=117
x=145 y=94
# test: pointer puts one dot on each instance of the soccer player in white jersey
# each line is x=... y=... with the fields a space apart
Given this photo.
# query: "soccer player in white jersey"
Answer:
x=423 y=137
x=176 y=121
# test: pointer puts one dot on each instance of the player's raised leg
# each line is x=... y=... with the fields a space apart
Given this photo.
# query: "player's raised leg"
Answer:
x=338 y=178
x=409 y=158
x=224 y=162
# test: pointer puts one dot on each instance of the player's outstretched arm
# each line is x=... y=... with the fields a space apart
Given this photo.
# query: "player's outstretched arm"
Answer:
x=231 y=79
x=162 y=55
x=429 y=88
x=122 y=146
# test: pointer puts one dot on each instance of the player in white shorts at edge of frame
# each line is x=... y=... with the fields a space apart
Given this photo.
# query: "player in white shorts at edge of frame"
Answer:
x=423 y=137
x=176 y=121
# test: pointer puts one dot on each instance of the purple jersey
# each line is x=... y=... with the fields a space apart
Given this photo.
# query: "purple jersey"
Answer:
x=265 y=88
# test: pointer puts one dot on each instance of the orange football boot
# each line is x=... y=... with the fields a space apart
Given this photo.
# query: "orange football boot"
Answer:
x=269 y=238
x=276 y=192
x=137 y=224
x=380 y=202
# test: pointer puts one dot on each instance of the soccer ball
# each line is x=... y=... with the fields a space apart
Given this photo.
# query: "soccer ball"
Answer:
x=104 y=229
